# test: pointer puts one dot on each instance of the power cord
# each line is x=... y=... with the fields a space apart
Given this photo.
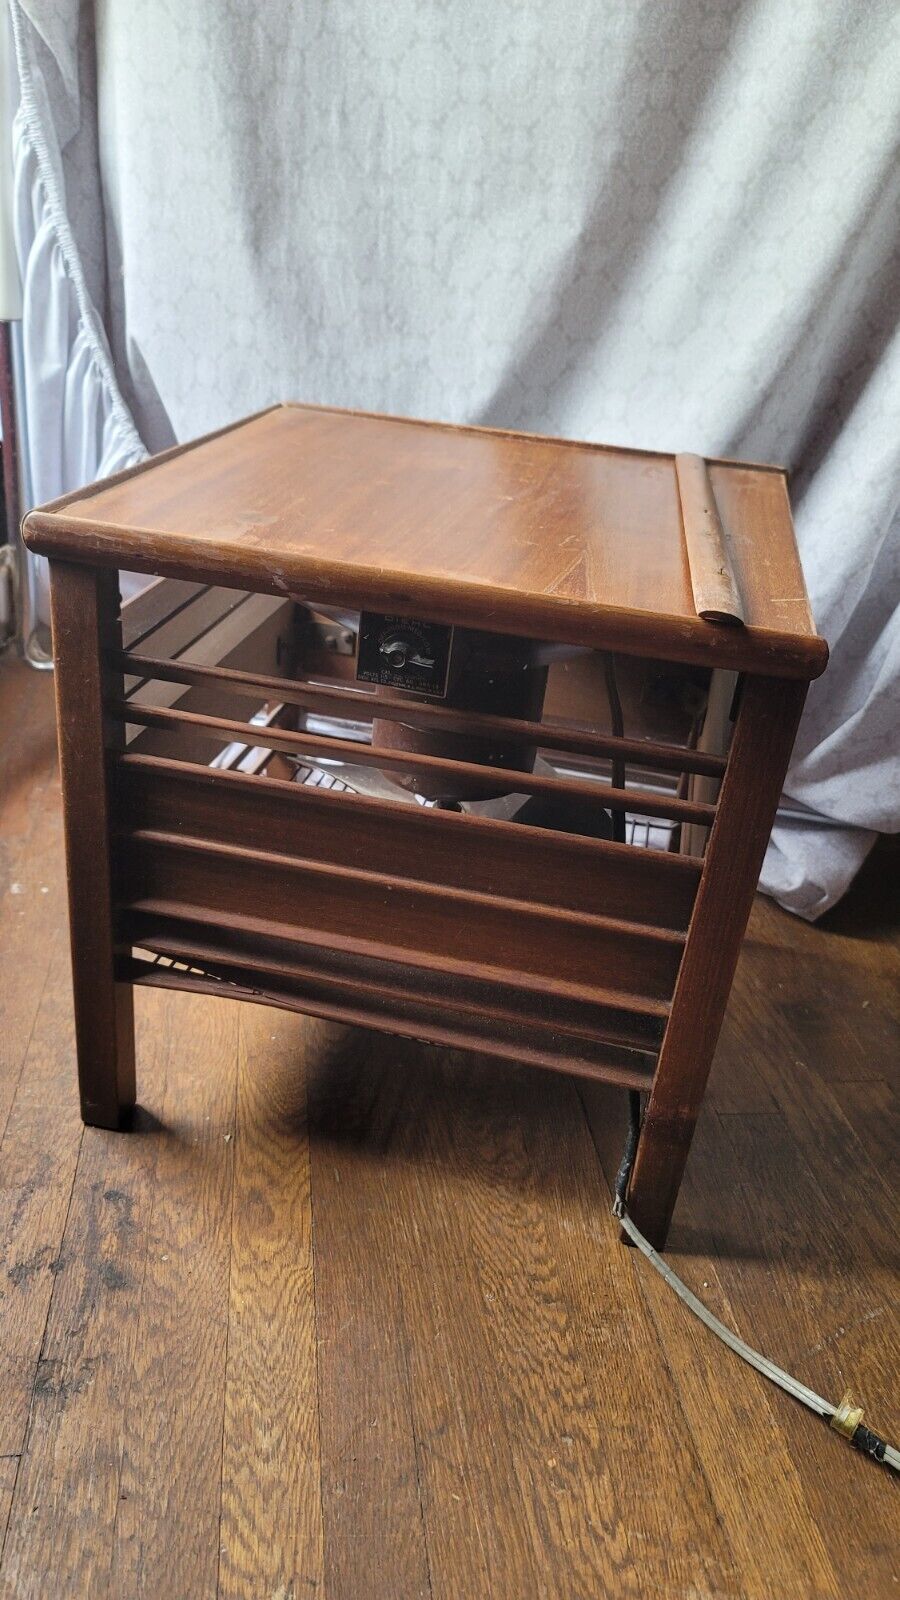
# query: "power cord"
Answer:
x=845 y=1419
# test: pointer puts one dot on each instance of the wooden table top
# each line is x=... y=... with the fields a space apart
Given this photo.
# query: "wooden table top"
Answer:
x=576 y=542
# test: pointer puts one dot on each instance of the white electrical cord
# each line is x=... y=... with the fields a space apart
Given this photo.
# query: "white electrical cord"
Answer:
x=845 y=1419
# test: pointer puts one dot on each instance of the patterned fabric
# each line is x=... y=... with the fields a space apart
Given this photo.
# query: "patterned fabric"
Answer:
x=666 y=225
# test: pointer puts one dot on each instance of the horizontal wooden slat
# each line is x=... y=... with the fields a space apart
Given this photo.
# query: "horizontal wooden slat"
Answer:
x=406 y=1017
x=135 y=914
x=363 y=704
x=247 y=633
x=466 y=852
x=489 y=779
x=447 y=898
x=147 y=610
x=193 y=617
x=280 y=960
x=399 y=914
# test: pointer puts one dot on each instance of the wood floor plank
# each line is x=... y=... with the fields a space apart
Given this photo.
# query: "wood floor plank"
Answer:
x=749 y=1456
x=803 y=1299
x=9 y=1466
x=271 y=1523
x=529 y=1402
x=837 y=990
x=474 y=1513
x=751 y=1032
x=38 y=1158
x=872 y=1110
x=68 y=1487
x=371 y=1497
x=31 y=865
x=166 y=1542
x=588 y=1386
x=855 y=1188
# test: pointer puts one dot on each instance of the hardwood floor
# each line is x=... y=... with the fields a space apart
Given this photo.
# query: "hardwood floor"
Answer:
x=345 y=1316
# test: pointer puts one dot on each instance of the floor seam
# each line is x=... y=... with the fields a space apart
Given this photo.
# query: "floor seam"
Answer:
x=27 y=1046
x=315 y=1300
x=126 y=1409
x=233 y=1142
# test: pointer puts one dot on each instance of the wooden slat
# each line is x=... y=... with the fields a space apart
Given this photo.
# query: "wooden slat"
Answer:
x=492 y=781
x=473 y=853
x=141 y=913
x=447 y=897
x=284 y=891
x=363 y=704
x=379 y=980
x=717 y=597
x=146 y=611
x=191 y=621
x=246 y=634
x=412 y=1020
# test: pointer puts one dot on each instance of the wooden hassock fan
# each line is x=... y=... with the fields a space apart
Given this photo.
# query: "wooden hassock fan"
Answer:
x=543 y=695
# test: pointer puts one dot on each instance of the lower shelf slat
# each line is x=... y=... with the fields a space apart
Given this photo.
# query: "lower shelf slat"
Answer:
x=286 y=960
x=135 y=916
x=406 y=1016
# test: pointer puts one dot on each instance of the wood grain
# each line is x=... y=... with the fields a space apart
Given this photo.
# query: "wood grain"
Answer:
x=758 y=758
x=371 y=1493
x=166 y=1538
x=31 y=891
x=828 y=1334
x=759 y=1497
x=85 y=609
x=577 y=1382
x=466 y=852
x=68 y=1488
x=38 y=1158
x=549 y=539
x=271 y=1513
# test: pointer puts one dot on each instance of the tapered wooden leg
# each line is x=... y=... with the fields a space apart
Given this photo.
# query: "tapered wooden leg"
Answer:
x=760 y=750
x=85 y=612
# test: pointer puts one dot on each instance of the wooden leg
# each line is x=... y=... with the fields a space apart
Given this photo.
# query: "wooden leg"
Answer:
x=85 y=613
x=760 y=750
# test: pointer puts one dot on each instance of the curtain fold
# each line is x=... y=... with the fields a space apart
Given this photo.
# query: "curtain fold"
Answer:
x=78 y=427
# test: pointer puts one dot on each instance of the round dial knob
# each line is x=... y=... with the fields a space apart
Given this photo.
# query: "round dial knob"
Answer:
x=402 y=649
x=396 y=650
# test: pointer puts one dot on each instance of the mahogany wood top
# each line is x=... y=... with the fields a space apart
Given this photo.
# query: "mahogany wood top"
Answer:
x=575 y=542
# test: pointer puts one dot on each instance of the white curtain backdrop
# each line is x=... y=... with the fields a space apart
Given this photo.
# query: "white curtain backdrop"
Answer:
x=666 y=225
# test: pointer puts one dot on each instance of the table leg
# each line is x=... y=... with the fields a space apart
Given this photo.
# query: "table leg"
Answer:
x=760 y=750
x=85 y=616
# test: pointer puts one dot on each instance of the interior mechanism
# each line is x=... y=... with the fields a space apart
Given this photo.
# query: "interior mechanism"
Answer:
x=449 y=710
x=490 y=674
